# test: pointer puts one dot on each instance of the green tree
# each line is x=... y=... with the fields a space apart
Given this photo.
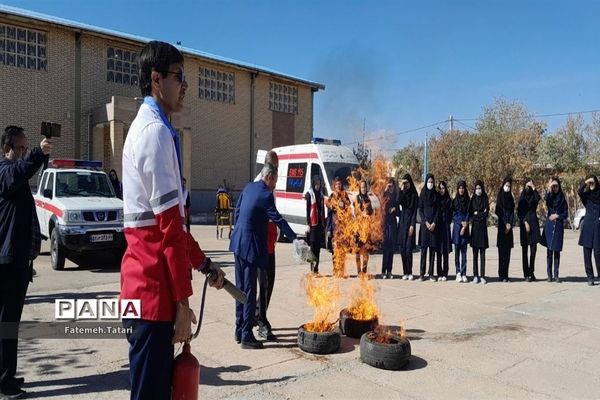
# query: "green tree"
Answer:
x=409 y=159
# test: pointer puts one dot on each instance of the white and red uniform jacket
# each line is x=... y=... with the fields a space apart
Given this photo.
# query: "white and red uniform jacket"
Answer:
x=157 y=265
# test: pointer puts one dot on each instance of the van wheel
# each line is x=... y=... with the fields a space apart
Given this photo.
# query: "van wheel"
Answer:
x=57 y=252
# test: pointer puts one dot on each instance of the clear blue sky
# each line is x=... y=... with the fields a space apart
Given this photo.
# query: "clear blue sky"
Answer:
x=398 y=64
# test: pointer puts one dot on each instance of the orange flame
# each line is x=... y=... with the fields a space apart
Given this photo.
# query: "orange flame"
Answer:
x=354 y=229
x=362 y=301
x=323 y=295
x=384 y=333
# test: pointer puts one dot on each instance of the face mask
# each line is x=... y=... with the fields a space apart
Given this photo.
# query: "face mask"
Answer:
x=478 y=192
x=506 y=188
x=429 y=185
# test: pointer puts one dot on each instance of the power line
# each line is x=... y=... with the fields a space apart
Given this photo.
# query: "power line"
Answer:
x=404 y=132
x=465 y=125
x=540 y=115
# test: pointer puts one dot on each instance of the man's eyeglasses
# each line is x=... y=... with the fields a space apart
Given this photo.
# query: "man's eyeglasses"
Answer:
x=179 y=74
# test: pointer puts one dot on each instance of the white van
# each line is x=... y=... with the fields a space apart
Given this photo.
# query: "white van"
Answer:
x=298 y=164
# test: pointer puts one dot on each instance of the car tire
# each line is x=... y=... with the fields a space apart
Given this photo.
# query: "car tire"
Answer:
x=319 y=342
x=355 y=328
x=57 y=252
x=390 y=356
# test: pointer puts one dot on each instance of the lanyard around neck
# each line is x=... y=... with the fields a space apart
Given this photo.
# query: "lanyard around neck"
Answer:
x=149 y=100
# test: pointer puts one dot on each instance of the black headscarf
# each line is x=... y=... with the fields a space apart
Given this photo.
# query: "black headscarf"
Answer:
x=116 y=184
x=554 y=199
x=461 y=203
x=504 y=200
x=480 y=201
x=445 y=200
x=594 y=195
x=409 y=198
x=527 y=192
x=429 y=197
x=390 y=196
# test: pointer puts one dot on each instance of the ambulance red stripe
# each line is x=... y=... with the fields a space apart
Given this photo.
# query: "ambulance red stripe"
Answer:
x=298 y=156
x=47 y=206
x=289 y=195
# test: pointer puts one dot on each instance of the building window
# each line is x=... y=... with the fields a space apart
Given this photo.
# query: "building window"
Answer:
x=216 y=85
x=23 y=48
x=283 y=98
x=121 y=66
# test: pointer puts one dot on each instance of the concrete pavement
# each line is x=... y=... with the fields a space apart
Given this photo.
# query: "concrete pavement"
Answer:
x=501 y=340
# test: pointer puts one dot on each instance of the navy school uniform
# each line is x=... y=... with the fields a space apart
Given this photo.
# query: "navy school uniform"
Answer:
x=407 y=206
x=553 y=234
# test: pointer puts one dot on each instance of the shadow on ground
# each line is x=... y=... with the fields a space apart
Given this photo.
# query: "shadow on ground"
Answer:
x=116 y=380
x=212 y=376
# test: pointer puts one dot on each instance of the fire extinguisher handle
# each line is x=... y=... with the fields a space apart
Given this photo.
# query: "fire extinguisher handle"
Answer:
x=230 y=288
x=234 y=291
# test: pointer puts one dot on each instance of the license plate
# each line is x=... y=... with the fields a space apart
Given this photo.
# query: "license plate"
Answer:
x=107 y=237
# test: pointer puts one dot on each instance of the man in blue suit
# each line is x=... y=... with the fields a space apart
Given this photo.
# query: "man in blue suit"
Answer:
x=255 y=207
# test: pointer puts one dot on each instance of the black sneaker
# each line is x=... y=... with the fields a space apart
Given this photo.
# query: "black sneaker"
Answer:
x=12 y=393
x=550 y=279
x=591 y=282
x=533 y=278
x=528 y=279
x=15 y=382
x=252 y=344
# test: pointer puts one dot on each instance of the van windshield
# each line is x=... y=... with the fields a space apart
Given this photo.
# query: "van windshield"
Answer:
x=341 y=170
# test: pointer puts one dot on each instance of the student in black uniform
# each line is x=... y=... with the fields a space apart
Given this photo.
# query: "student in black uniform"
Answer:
x=408 y=200
x=479 y=209
x=589 y=237
x=445 y=236
x=390 y=227
x=315 y=219
x=429 y=212
x=529 y=227
x=505 y=210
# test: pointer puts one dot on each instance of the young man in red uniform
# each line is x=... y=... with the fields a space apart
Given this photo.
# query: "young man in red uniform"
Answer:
x=157 y=265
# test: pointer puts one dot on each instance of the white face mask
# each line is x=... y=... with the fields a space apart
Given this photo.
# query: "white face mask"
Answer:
x=429 y=185
x=478 y=192
x=506 y=188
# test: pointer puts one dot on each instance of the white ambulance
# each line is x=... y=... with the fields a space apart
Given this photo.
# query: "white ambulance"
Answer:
x=298 y=164
x=78 y=210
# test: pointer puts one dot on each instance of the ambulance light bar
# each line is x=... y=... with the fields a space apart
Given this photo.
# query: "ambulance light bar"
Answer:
x=335 y=142
x=70 y=163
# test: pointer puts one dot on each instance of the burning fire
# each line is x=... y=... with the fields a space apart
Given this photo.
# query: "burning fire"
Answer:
x=385 y=335
x=323 y=295
x=352 y=229
x=362 y=305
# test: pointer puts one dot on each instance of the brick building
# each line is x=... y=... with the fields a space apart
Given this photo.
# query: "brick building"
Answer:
x=85 y=78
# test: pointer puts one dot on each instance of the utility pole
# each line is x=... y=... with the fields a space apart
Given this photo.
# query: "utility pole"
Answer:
x=451 y=121
x=364 y=130
x=425 y=156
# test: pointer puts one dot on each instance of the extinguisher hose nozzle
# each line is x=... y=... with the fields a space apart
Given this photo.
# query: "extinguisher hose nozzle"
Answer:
x=229 y=288
x=234 y=291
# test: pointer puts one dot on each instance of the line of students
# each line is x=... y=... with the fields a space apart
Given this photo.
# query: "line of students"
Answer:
x=462 y=221
x=458 y=222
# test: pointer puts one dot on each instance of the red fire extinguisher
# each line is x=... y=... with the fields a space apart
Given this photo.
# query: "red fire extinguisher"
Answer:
x=186 y=368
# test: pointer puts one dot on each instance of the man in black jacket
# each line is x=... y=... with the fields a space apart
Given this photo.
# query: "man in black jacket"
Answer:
x=19 y=244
